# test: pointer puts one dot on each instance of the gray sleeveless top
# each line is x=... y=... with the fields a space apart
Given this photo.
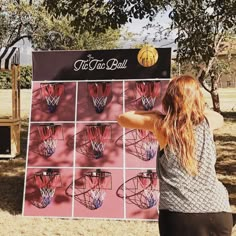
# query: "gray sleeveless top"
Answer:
x=181 y=192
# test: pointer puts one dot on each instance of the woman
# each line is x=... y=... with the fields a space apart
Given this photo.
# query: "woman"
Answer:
x=192 y=200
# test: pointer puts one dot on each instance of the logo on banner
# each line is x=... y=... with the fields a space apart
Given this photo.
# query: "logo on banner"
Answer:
x=92 y=64
x=147 y=56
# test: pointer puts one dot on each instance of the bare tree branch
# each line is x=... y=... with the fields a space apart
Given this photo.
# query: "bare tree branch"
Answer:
x=12 y=43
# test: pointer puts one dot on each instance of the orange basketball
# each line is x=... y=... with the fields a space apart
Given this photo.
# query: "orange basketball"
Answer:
x=147 y=56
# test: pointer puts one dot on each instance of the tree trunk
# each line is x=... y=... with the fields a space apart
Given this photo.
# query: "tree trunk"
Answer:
x=214 y=92
x=215 y=100
x=213 y=89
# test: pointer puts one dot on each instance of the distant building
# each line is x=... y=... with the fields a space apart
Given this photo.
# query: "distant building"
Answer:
x=229 y=56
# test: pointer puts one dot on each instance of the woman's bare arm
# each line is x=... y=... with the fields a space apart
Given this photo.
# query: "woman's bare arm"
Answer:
x=137 y=120
x=215 y=119
x=144 y=120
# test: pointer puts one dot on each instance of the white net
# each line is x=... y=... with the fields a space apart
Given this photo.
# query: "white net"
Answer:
x=52 y=100
x=97 y=196
x=148 y=102
x=47 y=195
x=48 y=147
x=99 y=103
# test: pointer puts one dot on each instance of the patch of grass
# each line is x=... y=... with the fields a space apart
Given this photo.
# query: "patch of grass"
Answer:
x=227 y=99
x=225 y=139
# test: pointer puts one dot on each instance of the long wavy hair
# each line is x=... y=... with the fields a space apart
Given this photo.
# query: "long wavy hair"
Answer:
x=184 y=106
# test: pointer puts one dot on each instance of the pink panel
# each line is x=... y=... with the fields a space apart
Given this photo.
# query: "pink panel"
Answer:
x=63 y=155
x=112 y=155
x=109 y=203
x=134 y=143
x=61 y=204
x=86 y=110
x=65 y=110
x=133 y=211
x=112 y=206
x=136 y=156
x=132 y=98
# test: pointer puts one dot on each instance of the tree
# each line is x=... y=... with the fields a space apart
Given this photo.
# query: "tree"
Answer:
x=202 y=26
x=29 y=19
x=16 y=22
x=96 y=16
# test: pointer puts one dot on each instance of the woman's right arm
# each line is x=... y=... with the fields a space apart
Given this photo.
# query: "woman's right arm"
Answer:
x=137 y=120
x=215 y=119
x=146 y=120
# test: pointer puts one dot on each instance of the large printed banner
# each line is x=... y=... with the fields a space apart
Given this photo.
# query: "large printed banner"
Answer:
x=80 y=162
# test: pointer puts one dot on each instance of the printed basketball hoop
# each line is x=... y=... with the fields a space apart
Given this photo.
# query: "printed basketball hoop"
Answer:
x=49 y=135
x=90 y=188
x=97 y=134
x=139 y=143
x=99 y=92
x=47 y=182
x=148 y=182
x=149 y=91
x=52 y=92
x=98 y=179
x=141 y=190
x=97 y=182
x=147 y=179
x=149 y=144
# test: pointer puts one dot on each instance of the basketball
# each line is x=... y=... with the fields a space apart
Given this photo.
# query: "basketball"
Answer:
x=147 y=56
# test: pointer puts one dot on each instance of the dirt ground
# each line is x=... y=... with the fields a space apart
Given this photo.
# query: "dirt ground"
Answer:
x=12 y=185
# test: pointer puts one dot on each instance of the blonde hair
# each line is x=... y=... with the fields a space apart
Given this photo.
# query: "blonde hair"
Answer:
x=184 y=106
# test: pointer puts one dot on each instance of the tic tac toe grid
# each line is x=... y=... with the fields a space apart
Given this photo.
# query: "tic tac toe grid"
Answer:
x=80 y=162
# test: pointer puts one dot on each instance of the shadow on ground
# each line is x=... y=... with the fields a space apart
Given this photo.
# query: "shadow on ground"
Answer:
x=12 y=172
x=225 y=140
x=11 y=194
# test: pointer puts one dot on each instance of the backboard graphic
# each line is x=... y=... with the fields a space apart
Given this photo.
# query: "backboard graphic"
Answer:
x=80 y=162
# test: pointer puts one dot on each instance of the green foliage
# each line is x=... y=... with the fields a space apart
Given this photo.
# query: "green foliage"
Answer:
x=5 y=79
x=25 y=78
x=20 y=20
x=95 y=16
x=107 y=40
x=201 y=26
x=3 y=27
